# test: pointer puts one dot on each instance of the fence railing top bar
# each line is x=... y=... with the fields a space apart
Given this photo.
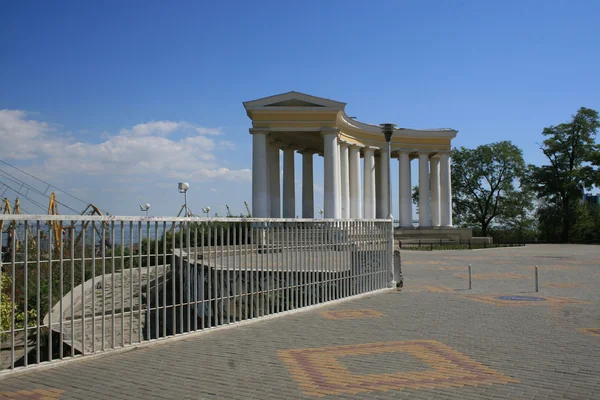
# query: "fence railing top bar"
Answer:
x=111 y=218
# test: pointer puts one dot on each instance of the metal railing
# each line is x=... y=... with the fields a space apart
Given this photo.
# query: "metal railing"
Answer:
x=78 y=285
x=445 y=244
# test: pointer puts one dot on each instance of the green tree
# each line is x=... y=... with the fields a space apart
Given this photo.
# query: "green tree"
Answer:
x=570 y=148
x=486 y=186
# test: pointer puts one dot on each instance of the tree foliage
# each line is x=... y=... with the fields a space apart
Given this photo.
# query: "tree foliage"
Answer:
x=571 y=152
x=486 y=186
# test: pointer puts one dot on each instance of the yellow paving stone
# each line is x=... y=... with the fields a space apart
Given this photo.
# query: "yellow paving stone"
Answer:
x=330 y=377
x=591 y=331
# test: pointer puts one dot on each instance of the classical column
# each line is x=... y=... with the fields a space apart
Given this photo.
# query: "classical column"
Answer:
x=330 y=186
x=274 y=179
x=259 y=175
x=405 y=191
x=308 y=197
x=289 y=189
x=378 y=198
x=434 y=167
x=424 y=205
x=383 y=192
x=445 y=191
x=344 y=176
x=369 y=154
x=338 y=180
x=355 y=184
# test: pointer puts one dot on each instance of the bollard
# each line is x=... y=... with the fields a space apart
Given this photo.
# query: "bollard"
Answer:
x=536 y=279
x=470 y=276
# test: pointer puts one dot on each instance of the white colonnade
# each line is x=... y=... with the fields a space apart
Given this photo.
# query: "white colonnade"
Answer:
x=344 y=195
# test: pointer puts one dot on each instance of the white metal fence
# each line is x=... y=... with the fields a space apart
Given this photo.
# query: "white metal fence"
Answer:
x=77 y=285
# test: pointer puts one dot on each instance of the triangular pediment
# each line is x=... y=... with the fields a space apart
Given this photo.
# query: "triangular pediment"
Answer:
x=293 y=100
x=294 y=103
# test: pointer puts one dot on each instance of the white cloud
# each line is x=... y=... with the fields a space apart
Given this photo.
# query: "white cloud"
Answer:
x=208 y=131
x=212 y=190
x=140 y=151
x=165 y=128
x=226 y=144
x=21 y=138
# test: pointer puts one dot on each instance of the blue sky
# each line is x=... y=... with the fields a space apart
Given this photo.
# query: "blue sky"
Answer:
x=76 y=78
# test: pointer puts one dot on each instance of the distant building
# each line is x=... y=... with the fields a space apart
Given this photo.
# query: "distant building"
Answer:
x=591 y=199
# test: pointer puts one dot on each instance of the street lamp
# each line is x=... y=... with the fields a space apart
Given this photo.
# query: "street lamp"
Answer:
x=145 y=207
x=321 y=212
x=388 y=131
x=183 y=188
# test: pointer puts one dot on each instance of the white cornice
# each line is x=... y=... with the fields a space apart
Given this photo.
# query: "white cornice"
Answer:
x=403 y=132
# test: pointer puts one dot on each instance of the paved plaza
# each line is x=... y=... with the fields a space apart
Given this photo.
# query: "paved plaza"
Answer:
x=435 y=339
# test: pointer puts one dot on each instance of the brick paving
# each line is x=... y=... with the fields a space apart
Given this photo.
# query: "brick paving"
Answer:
x=433 y=340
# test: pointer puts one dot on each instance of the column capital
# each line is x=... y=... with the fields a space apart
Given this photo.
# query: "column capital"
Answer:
x=355 y=146
x=307 y=151
x=275 y=143
x=258 y=131
x=370 y=148
x=330 y=131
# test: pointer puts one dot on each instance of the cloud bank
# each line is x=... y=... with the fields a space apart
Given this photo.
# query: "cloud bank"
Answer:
x=141 y=150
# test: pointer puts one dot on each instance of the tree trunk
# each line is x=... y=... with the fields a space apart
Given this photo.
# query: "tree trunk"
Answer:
x=567 y=220
x=484 y=229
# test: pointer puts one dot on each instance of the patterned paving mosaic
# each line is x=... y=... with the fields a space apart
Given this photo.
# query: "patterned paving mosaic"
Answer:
x=591 y=331
x=517 y=300
x=320 y=371
x=563 y=285
x=38 y=394
x=351 y=314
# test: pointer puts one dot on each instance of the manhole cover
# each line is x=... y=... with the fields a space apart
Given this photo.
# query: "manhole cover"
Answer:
x=521 y=298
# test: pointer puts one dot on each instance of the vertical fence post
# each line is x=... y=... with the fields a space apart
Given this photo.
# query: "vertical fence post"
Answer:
x=536 y=279
x=470 y=277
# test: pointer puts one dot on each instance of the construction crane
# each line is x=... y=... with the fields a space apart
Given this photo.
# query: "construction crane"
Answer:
x=248 y=210
x=12 y=227
x=228 y=212
x=89 y=210
x=56 y=231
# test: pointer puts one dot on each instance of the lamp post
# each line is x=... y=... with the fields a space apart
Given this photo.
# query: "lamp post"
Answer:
x=388 y=131
x=183 y=188
x=145 y=207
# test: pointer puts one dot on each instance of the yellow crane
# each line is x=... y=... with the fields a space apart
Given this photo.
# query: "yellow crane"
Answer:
x=56 y=231
x=7 y=209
